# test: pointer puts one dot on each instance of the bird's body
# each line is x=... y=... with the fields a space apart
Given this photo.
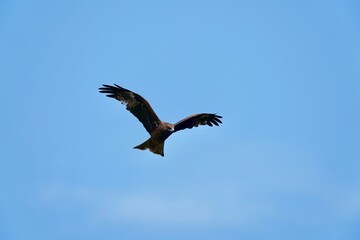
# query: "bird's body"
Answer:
x=157 y=140
x=159 y=131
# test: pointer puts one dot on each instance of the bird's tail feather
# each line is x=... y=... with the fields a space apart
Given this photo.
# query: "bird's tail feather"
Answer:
x=153 y=145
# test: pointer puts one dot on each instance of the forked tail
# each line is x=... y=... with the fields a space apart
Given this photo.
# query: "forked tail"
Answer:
x=153 y=145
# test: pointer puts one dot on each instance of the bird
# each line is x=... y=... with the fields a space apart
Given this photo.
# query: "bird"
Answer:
x=159 y=131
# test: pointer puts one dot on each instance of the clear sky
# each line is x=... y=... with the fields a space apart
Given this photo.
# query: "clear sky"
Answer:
x=285 y=75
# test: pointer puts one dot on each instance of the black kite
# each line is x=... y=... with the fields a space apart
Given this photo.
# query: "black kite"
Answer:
x=159 y=131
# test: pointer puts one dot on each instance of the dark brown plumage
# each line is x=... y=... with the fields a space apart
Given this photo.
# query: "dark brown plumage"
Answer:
x=159 y=131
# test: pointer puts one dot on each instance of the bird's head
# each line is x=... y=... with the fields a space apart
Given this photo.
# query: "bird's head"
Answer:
x=170 y=127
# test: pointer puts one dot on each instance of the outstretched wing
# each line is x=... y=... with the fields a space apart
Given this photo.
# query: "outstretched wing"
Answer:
x=135 y=103
x=196 y=120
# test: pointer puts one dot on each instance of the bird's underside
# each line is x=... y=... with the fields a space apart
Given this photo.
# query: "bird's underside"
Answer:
x=159 y=131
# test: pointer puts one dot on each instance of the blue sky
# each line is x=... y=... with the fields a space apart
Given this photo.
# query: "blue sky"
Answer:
x=283 y=74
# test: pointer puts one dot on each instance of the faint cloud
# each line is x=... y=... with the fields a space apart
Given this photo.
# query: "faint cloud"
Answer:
x=227 y=207
x=156 y=209
x=262 y=183
x=351 y=205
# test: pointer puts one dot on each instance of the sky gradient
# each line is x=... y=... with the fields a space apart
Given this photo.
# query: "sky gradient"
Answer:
x=285 y=75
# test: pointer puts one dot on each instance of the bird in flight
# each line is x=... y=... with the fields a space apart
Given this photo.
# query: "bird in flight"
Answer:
x=159 y=131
